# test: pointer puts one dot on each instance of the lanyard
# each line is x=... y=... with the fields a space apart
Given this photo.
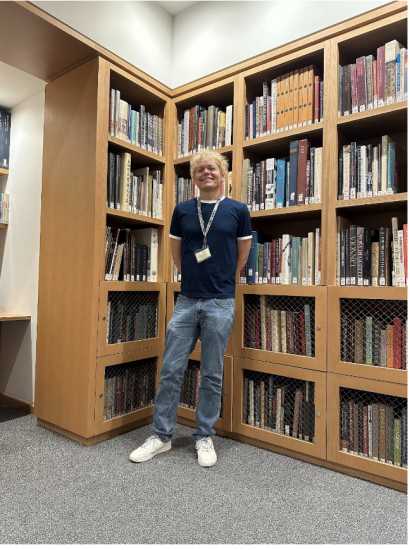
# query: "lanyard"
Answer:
x=201 y=220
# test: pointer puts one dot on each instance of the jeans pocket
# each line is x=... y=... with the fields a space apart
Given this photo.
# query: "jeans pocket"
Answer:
x=226 y=303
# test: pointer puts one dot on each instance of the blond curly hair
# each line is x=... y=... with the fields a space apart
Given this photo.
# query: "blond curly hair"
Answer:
x=209 y=155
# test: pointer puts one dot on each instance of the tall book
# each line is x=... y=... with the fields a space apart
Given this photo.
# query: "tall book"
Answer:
x=149 y=237
x=303 y=154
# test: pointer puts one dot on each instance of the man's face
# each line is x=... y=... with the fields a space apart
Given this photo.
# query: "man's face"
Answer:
x=208 y=176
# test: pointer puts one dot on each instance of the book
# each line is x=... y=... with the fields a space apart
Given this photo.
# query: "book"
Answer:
x=303 y=155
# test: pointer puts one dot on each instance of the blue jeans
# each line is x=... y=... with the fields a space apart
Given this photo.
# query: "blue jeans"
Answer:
x=213 y=319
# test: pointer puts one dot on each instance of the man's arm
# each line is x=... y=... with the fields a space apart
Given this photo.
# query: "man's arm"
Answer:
x=176 y=252
x=244 y=246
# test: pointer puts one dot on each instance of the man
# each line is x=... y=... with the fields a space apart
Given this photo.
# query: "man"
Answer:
x=210 y=243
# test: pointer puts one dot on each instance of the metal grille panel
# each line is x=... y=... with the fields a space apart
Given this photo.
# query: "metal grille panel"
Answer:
x=279 y=404
x=131 y=316
x=190 y=386
x=374 y=425
x=374 y=332
x=282 y=324
x=129 y=387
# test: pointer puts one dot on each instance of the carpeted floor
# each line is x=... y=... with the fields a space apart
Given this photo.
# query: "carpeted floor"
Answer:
x=56 y=491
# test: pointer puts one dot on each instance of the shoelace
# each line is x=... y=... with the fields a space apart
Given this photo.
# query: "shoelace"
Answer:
x=149 y=442
x=203 y=445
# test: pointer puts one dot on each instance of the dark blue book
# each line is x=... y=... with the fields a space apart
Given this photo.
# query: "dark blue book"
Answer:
x=253 y=258
x=281 y=183
x=265 y=263
x=293 y=172
x=247 y=122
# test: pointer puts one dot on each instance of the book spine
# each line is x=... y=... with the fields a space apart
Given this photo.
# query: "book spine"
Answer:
x=380 y=76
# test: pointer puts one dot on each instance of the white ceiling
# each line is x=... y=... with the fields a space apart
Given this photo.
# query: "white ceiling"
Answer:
x=17 y=86
x=173 y=8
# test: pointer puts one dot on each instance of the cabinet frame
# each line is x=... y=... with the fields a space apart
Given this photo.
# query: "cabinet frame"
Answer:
x=125 y=347
x=318 y=292
x=102 y=426
x=317 y=449
x=371 y=466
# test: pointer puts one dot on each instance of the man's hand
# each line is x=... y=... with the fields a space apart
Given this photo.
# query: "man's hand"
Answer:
x=176 y=245
x=244 y=247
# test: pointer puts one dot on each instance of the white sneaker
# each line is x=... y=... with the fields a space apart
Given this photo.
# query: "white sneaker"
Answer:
x=150 y=448
x=206 y=452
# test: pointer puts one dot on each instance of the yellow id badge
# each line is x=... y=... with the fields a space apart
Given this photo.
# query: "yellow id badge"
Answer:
x=202 y=254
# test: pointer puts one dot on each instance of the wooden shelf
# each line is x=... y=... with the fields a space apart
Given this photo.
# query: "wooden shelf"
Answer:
x=390 y=119
x=392 y=203
x=223 y=150
x=263 y=145
x=3 y=225
x=4 y=172
x=138 y=155
x=121 y=216
x=14 y=317
x=304 y=212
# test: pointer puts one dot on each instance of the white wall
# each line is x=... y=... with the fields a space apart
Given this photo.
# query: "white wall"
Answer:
x=138 y=32
x=210 y=36
x=19 y=249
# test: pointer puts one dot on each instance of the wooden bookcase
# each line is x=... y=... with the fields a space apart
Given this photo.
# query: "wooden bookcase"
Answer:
x=71 y=351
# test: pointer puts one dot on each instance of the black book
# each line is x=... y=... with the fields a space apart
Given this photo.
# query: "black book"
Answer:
x=360 y=430
x=342 y=256
x=257 y=403
x=382 y=256
x=340 y=176
x=312 y=411
x=344 y=425
x=369 y=171
x=245 y=404
x=340 y=104
x=141 y=110
x=257 y=185
x=347 y=256
x=321 y=90
x=367 y=257
x=346 y=94
x=344 y=337
x=144 y=261
x=265 y=107
x=353 y=255
x=138 y=262
x=215 y=136
x=353 y=171
x=110 y=180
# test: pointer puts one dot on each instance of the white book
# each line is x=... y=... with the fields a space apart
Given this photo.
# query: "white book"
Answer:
x=122 y=120
x=112 y=111
x=363 y=170
x=375 y=170
x=286 y=259
x=385 y=140
x=160 y=201
x=149 y=236
x=346 y=172
x=318 y=175
x=278 y=409
x=304 y=262
x=186 y=133
x=116 y=111
x=251 y=132
x=251 y=418
x=311 y=259
x=401 y=270
x=228 y=128
x=317 y=246
x=179 y=151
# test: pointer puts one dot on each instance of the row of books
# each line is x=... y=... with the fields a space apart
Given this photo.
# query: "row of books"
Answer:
x=374 y=82
x=202 y=128
x=185 y=188
x=289 y=101
x=131 y=389
x=375 y=430
x=287 y=260
x=127 y=321
x=4 y=208
x=372 y=341
x=278 y=331
x=367 y=170
x=278 y=183
x=5 y=125
x=371 y=257
x=138 y=191
x=136 y=126
x=131 y=255
x=287 y=409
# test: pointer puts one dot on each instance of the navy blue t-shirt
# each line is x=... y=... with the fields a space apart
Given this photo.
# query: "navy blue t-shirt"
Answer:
x=215 y=277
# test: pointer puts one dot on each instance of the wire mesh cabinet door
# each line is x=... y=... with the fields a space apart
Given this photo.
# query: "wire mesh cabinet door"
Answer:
x=367 y=426
x=283 y=325
x=368 y=332
x=281 y=405
x=131 y=316
x=126 y=386
x=189 y=393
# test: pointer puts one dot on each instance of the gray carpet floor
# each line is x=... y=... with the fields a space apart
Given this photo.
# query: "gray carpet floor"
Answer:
x=56 y=491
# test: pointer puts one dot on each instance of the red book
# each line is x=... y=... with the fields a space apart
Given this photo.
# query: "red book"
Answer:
x=365 y=432
x=302 y=333
x=257 y=325
x=380 y=76
x=405 y=252
x=290 y=341
x=397 y=343
x=247 y=332
x=403 y=347
x=361 y=84
x=353 y=87
x=280 y=258
x=273 y=262
x=317 y=99
x=268 y=331
x=302 y=158
x=351 y=426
